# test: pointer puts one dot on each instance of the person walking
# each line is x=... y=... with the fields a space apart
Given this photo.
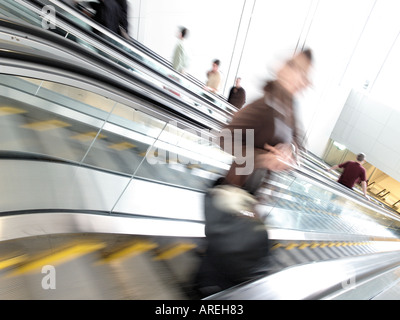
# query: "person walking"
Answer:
x=237 y=95
x=214 y=77
x=237 y=240
x=180 y=58
x=353 y=171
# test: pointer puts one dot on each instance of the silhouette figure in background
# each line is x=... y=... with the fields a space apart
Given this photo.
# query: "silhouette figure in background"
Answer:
x=112 y=14
x=353 y=171
x=180 y=59
x=214 y=77
x=237 y=95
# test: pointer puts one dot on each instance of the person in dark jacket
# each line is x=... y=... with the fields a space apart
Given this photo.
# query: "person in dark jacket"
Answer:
x=272 y=119
x=112 y=14
x=237 y=95
x=237 y=245
x=123 y=16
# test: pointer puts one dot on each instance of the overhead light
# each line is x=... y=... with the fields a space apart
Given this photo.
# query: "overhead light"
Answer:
x=339 y=145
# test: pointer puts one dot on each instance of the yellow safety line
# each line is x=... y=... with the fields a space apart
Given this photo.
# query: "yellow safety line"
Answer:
x=6 y=110
x=175 y=251
x=12 y=261
x=304 y=245
x=122 y=146
x=130 y=251
x=88 y=136
x=57 y=258
x=46 y=125
x=276 y=246
x=291 y=246
x=313 y=245
x=150 y=154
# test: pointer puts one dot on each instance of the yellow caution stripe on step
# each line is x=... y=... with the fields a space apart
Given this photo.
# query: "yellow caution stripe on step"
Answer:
x=57 y=258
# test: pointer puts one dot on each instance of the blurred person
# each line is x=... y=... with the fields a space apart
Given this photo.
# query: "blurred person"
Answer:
x=214 y=77
x=180 y=59
x=237 y=240
x=353 y=171
x=123 y=18
x=112 y=14
x=237 y=95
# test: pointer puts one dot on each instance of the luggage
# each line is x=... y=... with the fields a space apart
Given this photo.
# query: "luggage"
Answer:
x=237 y=239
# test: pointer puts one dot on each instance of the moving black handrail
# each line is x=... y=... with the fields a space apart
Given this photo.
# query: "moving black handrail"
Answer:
x=78 y=14
x=166 y=103
x=114 y=44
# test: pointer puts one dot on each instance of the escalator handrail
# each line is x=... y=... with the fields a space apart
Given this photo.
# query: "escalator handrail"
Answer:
x=305 y=155
x=309 y=156
x=315 y=176
x=302 y=171
x=137 y=45
x=60 y=41
x=86 y=71
x=120 y=51
x=320 y=280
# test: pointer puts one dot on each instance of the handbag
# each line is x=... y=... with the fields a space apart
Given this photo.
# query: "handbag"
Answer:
x=237 y=239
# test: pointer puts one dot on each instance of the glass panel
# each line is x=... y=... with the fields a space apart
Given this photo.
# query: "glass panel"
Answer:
x=291 y=202
x=124 y=140
x=39 y=120
x=196 y=96
x=185 y=157
x=10 y=8
x=71 y=97
x=54 y=119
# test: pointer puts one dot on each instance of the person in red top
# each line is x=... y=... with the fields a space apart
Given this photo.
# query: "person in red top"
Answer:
x=353 y=171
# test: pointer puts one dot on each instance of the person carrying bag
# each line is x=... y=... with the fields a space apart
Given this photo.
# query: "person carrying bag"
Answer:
x=237 y=239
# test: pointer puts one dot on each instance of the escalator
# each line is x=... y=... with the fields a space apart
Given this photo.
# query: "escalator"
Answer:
x=141 y=63
x=107 y=169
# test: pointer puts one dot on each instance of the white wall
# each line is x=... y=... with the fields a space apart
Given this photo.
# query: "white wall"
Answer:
x=370 y=119
x=366 y=125
x=212 y=25
x=351 y=40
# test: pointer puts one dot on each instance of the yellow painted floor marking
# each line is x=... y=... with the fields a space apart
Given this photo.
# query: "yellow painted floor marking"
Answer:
x=323 y=245
x=175 y=251
x=46 y=125
x=122 y=146
x=58 y=257
x=304 y=245
x=193 y=166
x=10 y=262
x=150 y=154
x=131 y=251
x=5 y=110
x=88 y=136
x=292 y=246
x=276 y=246
x=314 y=245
